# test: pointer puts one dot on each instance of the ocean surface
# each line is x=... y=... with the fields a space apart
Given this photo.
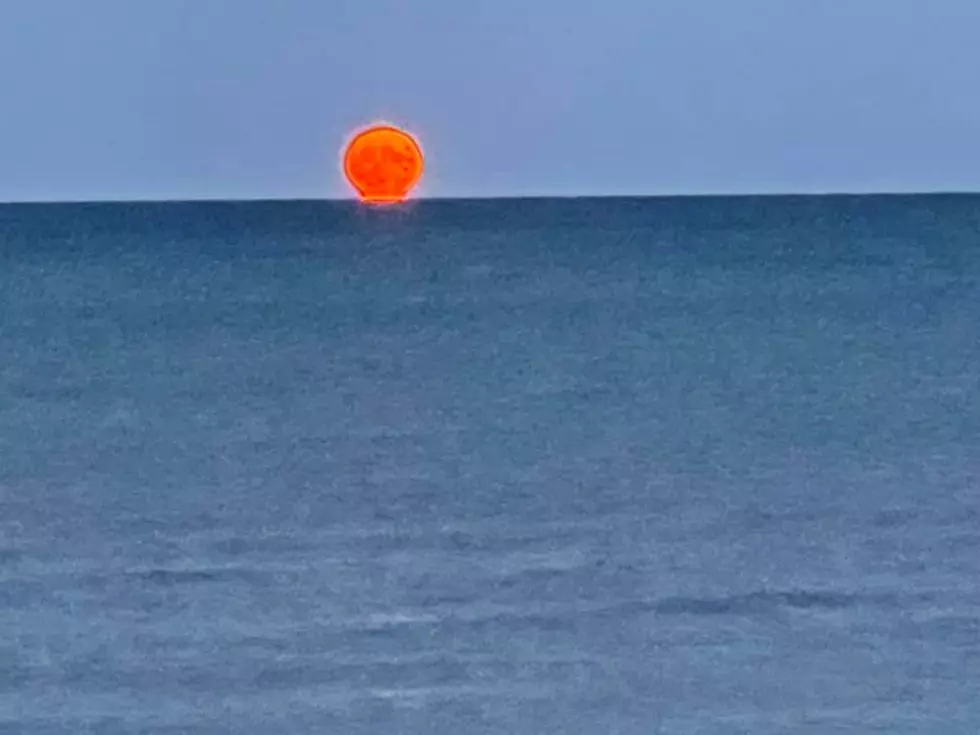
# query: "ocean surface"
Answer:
x=597 y=466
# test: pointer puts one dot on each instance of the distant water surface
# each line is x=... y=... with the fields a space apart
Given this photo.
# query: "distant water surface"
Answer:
x=619 y=466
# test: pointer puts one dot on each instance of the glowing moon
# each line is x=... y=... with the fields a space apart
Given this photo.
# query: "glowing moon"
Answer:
x=383 y=164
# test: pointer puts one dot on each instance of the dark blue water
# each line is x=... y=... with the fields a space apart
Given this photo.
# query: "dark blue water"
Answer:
x=595 y=466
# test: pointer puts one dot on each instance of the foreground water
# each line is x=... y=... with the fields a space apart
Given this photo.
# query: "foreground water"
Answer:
x=594 y=466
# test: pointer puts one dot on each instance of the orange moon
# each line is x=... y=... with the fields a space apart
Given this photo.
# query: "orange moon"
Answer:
x=383 y=164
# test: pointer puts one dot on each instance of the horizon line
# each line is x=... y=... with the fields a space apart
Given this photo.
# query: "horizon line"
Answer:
x=516 y=197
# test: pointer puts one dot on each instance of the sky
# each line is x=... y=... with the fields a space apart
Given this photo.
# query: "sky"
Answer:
x=226 y=99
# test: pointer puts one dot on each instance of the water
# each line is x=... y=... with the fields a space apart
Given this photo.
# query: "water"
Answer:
x=597 y=466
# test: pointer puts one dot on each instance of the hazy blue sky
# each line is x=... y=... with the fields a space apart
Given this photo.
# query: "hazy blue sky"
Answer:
x=253 y=98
